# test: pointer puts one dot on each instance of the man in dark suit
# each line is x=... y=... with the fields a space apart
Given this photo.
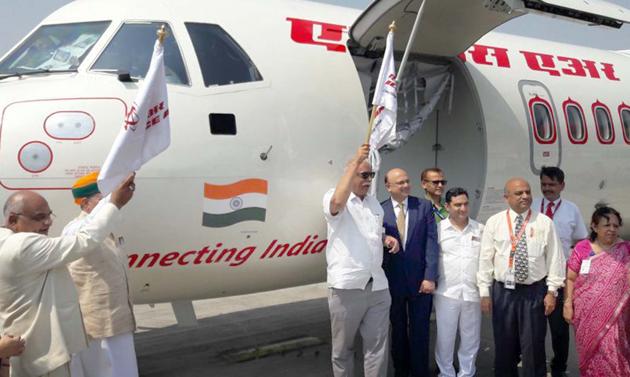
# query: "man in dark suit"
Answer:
x=411 y=273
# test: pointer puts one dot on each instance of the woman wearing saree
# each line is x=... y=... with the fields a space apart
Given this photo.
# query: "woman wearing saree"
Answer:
x=597 y=300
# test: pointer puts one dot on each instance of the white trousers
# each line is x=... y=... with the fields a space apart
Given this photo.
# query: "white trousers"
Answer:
x=452 y=315
x=108 y=357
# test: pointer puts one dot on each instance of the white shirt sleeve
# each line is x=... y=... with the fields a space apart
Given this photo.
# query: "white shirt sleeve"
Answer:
x=326 y=203
x=42 y=253
x=554 y=258
x=485 y=274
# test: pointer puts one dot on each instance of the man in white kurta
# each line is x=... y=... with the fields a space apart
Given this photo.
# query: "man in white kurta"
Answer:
x=38 y=300
x=457 y=296
x=101 y=281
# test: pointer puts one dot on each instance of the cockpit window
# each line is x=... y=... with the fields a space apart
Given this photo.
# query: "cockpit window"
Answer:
x=54 y=47
x=131 y=48
x=222 y=60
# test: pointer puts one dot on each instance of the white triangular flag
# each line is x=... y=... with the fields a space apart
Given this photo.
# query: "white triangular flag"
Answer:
x=146 y=132
x=385 y=101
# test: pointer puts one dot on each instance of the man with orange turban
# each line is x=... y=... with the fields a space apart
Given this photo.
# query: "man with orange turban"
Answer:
x=101 y=281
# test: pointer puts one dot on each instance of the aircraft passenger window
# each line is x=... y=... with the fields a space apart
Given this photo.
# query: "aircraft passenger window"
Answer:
x=603 y=124
x=575 y=124
x=543 y=123
x=54 y=48
x=222 y=60
x=625 y=122
x=132 y=47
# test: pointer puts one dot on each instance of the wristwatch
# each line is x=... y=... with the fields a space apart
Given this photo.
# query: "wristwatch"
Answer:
x=553 y=293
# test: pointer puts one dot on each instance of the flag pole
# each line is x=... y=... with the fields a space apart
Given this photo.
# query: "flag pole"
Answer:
x=412 y=38
x=161 y=34
x=392 y=28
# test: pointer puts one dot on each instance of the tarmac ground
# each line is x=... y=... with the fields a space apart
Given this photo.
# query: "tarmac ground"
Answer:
x=278 y=333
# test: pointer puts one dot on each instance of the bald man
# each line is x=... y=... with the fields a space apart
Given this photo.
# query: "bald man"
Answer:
x=38 y=299
x=358 y=298
x=522 y=260
x=411 y=273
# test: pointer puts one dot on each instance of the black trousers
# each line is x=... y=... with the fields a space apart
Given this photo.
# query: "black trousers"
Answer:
x=519 y=326
x=410 y=318
x=559 y=337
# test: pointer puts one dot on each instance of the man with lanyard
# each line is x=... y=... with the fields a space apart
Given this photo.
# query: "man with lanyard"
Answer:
x=358 y=298
x=570 y=228
x=433 y=183
x=521 y=258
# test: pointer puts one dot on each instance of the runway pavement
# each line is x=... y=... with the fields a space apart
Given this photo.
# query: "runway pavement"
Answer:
x=279 y=333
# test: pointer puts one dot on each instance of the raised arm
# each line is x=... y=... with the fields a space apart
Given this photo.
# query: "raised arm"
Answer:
x=344 y=186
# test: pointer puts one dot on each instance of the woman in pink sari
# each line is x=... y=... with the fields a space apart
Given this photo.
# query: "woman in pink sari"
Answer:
x=597 y=298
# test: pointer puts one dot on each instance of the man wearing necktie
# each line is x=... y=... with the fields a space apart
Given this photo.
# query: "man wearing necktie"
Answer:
x=522 y=264
x=411 y=274
x=571 y=229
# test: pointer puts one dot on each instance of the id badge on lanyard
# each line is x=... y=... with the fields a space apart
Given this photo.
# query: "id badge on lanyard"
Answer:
x=510 y=279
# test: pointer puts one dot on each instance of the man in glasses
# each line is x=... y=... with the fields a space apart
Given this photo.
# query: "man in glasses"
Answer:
x=358 y=298
x=38 y=300
x=434 y=184
x=411 y=274
x=101 y=281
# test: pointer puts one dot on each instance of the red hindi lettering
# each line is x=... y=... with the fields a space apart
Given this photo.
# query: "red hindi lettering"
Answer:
x=303 y=31
x=609 y=71
x=540 y=62
x=480 y=53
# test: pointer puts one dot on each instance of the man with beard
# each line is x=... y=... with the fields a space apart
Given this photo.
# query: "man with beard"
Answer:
x=358 y=298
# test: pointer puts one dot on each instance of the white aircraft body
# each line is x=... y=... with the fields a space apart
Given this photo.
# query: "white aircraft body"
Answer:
x=266 y=104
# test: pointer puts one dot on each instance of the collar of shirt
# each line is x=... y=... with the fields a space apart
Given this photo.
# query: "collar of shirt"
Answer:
x=427 y=196
x=405 y=203
x=448 y=225
x=354 y=198
x=514 y=214
x=544 y=203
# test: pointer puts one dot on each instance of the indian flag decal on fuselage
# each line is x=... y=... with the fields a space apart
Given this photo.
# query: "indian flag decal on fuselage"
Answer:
x=226 y=205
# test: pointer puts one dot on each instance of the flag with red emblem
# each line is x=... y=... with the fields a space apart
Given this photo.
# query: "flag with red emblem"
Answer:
x=146 y=131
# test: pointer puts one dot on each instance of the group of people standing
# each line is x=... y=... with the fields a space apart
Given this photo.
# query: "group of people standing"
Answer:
x=64 y=301
x=390 y=263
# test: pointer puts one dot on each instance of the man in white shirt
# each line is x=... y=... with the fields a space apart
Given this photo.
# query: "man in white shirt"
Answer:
x=457 y=296
x=358 y=298
x=38 y=299
x=571 y=229
x=522 y=260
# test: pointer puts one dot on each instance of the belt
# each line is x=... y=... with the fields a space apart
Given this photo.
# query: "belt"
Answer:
x=519 y=285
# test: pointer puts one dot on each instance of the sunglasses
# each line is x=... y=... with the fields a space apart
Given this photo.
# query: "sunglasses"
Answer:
x=39 y=218
x=442 y=182
x=367 y=174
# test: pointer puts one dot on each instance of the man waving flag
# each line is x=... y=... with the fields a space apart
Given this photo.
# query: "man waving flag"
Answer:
x=146 y=132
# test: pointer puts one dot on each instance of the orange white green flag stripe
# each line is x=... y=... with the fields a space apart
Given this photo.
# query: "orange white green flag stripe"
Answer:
x=229 y=204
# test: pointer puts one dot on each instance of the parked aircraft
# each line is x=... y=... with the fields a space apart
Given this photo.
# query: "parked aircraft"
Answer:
x=267 y=101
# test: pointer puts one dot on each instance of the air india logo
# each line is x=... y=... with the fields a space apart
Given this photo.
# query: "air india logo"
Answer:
x=318 y=33
x=131 y=121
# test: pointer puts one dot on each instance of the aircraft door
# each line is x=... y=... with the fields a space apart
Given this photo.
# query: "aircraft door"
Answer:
x=542 y=125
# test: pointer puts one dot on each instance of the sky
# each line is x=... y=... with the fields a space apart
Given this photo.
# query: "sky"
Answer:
x=20 y=16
